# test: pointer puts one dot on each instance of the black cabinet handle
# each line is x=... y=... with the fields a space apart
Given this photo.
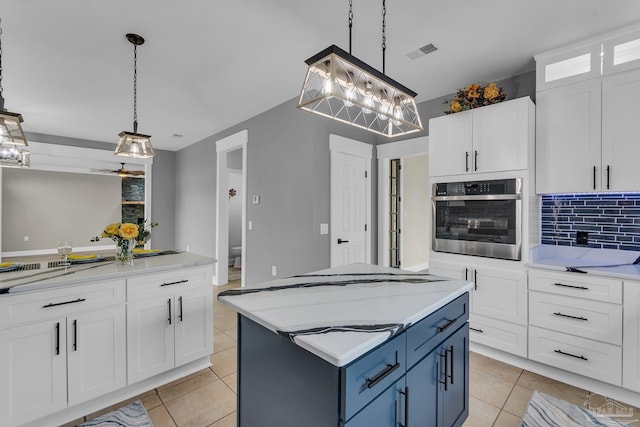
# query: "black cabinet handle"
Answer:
x=169 y=303
x=475 y=279
x=175 y=283
x=446 y=325
x=371 y=382
x=569 y=354
x=446 y=369
x=594 y=177
x=405 y=393
x=466 y=274
x=583 y=288
x=180 y=300
x=466 y=161
x=64 y=303
x=475 y=161
x=451 y=364
x=75 y=335
x=340 y=241
x=477 y=330
x=570 y=316
x=58 y=338
x=608 y=170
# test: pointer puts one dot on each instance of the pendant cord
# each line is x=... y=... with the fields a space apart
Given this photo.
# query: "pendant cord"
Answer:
x=135 y=88
x=384 y=33
x=350 y=23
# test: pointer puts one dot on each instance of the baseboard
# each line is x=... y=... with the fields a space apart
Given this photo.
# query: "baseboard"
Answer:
x=619 y=394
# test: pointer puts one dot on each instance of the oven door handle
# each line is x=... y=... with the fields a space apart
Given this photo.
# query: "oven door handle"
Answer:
x=482 y=197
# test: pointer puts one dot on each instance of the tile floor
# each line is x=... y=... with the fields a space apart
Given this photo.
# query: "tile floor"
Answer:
x=498 y=392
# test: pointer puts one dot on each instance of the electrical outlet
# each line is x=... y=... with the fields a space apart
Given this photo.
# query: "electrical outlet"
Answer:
x=26 y=238
x=582 y=237
x=273 y=270
x=324 y=228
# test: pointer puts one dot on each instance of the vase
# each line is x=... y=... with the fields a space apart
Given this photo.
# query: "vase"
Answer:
x=124 y=254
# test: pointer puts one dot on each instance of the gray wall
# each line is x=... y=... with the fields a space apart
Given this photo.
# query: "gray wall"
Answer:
x=163 y=185
x=288 y=166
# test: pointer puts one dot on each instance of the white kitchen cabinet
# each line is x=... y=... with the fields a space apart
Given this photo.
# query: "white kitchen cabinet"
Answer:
x=494 y=138
x=631 y=336
x=169 y=321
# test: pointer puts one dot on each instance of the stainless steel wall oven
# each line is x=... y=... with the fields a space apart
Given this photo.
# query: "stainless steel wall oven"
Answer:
x=481 y=218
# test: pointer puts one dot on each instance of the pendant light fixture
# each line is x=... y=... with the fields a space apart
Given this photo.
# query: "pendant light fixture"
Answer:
x=12 y=138
x=340 y=86
x=134 y=144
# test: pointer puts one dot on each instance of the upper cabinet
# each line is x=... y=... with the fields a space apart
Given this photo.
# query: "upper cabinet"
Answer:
x=586 y=116
x=489 y=139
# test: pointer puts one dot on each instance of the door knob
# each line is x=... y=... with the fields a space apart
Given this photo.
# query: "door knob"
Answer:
x=340 y=241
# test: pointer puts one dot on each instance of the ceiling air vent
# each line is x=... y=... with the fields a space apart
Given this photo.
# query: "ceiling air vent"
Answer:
x=424 y=50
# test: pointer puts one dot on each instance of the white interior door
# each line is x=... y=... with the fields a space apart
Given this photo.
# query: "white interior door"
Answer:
x=350 y=212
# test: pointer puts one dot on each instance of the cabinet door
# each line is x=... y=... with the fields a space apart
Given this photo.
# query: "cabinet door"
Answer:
x=499 y=294
x=423 y=385
x=96 y=353
x=620 y=144
x=453 y=271
x=194 y=325
x=150 y=337
x=455 y=400
x=450 y=144
x=386 y=410
x=631 y=337
x=33 y=371
x=568 y=140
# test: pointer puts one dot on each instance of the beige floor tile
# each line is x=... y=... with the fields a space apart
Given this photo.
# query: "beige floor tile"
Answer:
x=160 y=417
x=488 y=388
x=203 y=406
x=180 y=380
x=518 y=400
x=222 y=341
x=204 y=377
x=481 y=414
x=232 y=333
x=232 y=382
x=73 y=423
x=151 y=401
x=225 y=362
x=508 y=373
x=228 y=421
x=563 y=391
x=505 y=419
x=225 y=322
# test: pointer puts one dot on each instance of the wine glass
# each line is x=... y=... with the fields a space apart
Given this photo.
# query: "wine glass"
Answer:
x=64 y=249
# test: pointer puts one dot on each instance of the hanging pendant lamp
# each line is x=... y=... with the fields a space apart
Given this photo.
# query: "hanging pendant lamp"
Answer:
x=340 y=86
x=134 y=144
x=12 y=138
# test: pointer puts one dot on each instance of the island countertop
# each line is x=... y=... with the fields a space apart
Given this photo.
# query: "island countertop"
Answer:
x=341 y=313
x=43 y=277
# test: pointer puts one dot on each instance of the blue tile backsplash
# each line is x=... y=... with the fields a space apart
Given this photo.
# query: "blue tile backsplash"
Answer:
x=611 y=219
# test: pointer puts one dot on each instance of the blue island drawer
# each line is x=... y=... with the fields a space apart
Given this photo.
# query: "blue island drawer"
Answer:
x=373 y=373
x=425 y=335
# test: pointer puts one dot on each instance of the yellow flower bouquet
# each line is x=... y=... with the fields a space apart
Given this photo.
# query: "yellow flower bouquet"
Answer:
x=474 y=96
x=125 y=235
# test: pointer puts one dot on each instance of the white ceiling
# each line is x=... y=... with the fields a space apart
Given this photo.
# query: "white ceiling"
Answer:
x=208 y=65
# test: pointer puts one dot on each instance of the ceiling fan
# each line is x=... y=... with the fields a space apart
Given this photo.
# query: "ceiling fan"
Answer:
x=121 y=172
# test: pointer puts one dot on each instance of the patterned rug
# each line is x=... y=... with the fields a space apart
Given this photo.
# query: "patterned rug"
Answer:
x=547 y=411
x=132 y=415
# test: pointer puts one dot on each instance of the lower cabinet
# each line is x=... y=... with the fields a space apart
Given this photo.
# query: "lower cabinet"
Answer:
x=386 y=410
x=631 y=337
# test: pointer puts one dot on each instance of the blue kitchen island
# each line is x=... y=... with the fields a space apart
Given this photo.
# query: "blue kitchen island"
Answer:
x=358 y=345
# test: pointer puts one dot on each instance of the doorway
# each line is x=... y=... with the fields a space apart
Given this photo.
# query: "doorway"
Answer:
x=231 y=158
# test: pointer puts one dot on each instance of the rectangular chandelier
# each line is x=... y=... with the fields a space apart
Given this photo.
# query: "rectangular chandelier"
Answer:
x=342 y=87
x=12 y=140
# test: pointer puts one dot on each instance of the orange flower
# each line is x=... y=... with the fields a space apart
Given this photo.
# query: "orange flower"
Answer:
x=128 y=230
x=455 y=106
x=111 y=230
x=491 y=91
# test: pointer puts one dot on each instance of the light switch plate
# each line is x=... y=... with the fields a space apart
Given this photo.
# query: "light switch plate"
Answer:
x=324 y=228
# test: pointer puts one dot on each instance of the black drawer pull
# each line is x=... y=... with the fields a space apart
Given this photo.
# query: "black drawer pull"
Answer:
x=446 y=369
x=180 y=300
x=584 y=288
x=570 y=316
x=466 y=161
x=58 y=338
x=477 y=330
x=450 y=350
x=64 y=303
x=169 y=303
x=594 y=177
x=75 y=335
x=446 y=325
x=608 y=172
x=175 y=283
x=475 y=161
x=569 y=354
x=475 y=279
x=405 y=393
x=371 y=382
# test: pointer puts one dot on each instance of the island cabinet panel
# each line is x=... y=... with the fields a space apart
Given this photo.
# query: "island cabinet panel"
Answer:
x=419 y=377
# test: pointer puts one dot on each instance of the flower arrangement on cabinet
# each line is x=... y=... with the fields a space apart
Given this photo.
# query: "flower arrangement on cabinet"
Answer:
x=125 y=235
x=145 y=231
x=474 y=96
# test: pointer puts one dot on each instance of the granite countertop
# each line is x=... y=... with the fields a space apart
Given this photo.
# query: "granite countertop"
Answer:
x=341 y=313
x=597 y=262
x=43 y=278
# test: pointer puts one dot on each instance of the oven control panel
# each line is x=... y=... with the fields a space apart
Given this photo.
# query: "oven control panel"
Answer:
x=475 y=188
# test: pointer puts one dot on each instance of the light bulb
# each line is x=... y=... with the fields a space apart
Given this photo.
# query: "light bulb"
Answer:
x=398 y=115
x=368 y=98
x=327 y=87
x=350 y=93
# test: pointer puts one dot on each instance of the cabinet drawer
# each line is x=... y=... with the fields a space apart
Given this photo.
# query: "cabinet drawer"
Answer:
x=590 y=319
x=368 y=376
x=425 y=335
x=168 y=281
x=592 y=359
x=577 y=285
x=497 y=334
x=388 y=409
x=58 y=302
